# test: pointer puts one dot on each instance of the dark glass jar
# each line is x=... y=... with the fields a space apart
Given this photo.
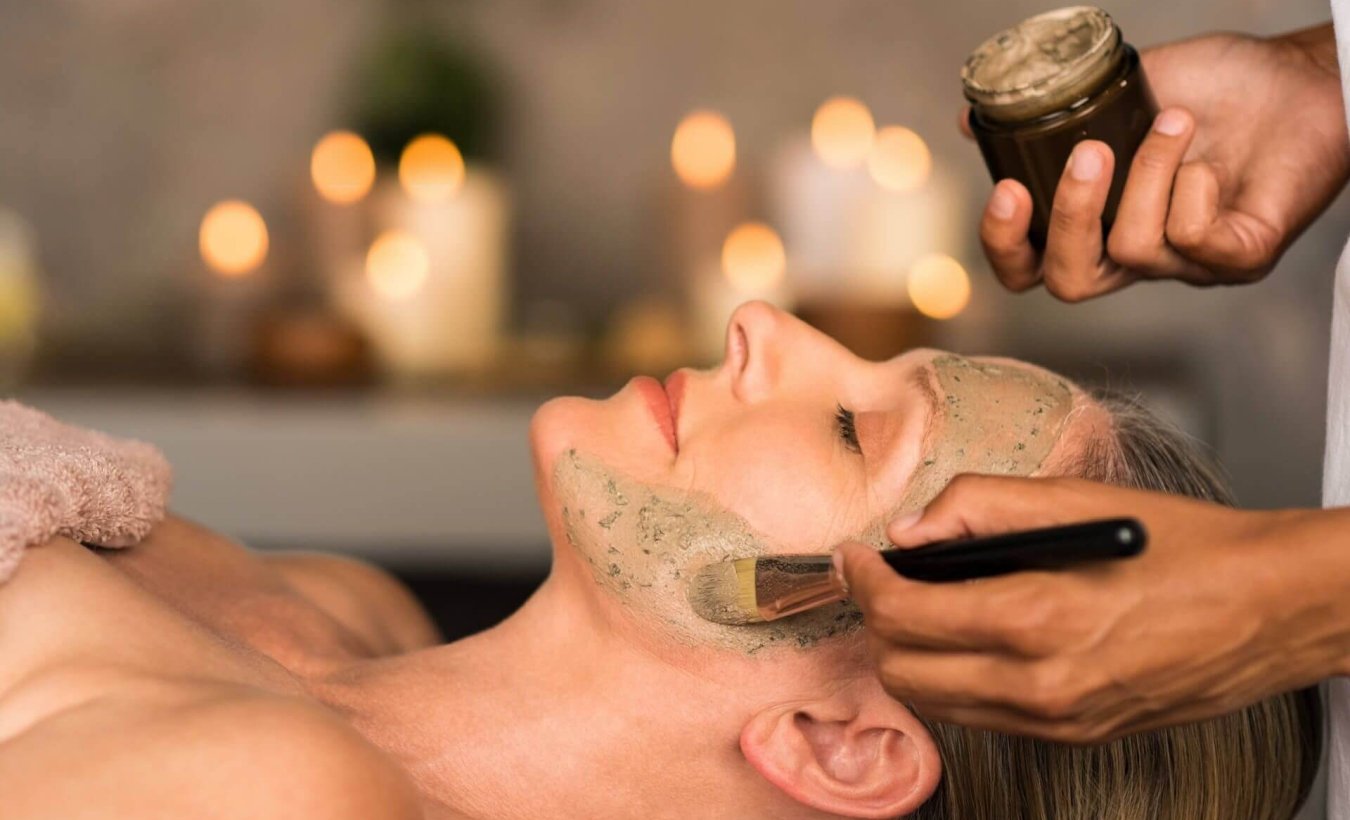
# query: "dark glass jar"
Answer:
x=1041 y=87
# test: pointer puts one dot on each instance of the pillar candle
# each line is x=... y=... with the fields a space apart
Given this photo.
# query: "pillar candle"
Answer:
x=451 y=322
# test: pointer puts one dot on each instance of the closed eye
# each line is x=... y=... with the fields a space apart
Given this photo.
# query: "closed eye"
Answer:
x=847 y=428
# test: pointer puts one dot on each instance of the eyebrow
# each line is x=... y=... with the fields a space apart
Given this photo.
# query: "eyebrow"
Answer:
x=922 y=380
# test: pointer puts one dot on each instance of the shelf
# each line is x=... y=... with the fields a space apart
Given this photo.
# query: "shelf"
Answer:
x=406 y=481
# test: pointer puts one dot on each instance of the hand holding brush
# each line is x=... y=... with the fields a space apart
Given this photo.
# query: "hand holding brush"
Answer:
x=751 y=590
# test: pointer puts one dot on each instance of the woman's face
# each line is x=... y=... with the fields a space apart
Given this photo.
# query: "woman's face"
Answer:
x=792 y=444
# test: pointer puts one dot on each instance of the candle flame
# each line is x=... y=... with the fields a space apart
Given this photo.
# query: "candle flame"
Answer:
x=397 y=265
x=938 y=286
x=431 y=168
x=342 y=167
x=842 y=132
x=233 y=238
x=753 y=258
x=703 y=150
x=900 y=160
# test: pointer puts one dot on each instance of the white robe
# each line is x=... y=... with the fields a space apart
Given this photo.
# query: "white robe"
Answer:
x=1336 y=469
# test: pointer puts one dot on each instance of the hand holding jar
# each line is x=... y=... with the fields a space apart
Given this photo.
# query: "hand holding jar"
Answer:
x=1096 y=192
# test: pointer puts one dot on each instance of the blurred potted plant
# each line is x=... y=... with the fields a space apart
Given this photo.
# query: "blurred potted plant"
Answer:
x=415 y=81
x=431 y=290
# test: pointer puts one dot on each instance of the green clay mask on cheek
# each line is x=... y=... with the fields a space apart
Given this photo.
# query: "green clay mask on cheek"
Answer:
x=644 y=542
x=997 y=419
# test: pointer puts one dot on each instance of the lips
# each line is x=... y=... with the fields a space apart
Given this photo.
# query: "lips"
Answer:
x=660 y=404
x=675 y=384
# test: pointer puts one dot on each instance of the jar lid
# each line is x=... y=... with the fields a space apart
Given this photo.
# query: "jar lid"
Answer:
x=1043 y=64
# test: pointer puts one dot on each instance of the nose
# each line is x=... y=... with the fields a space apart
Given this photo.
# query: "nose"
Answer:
x=754 y=348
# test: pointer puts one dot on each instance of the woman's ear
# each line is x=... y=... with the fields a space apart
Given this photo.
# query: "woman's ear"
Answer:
x=856 y=752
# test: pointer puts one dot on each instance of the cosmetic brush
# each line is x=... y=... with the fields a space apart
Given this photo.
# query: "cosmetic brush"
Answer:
x=753 y=590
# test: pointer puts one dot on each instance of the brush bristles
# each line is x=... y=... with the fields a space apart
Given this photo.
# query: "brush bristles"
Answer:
x=724 y=593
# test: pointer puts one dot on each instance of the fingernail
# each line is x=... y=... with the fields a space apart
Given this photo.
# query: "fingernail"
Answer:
x=1085 y=164
x=1002 y=204
x=1170 y=122
x=838 y=560
x=907 y=520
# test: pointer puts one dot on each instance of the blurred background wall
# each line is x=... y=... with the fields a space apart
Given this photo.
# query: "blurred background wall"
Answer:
x=125 y=120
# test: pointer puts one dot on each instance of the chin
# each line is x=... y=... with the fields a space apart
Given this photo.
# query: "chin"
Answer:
x=551 y=435
x=553 y=431
x=617 y=431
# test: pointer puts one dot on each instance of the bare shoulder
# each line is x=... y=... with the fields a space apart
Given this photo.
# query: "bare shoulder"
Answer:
x=114 y=705
x=361 y=596
x=222 y=754
x=63 y=602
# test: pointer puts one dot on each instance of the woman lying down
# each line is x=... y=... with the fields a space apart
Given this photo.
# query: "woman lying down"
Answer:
x=188 y=677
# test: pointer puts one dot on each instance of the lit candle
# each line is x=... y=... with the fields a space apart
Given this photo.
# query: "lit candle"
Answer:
x=342 y=174
x=818 y=208
x=899 y=160
x=842 y=132
x=854 y=230
x=751 y=266
x=233 y=239
x=705 y=199
x=431 y=169
x=342 y=168
x=938 y=286
x=234 y=243
x=431 y=291
x=703 y=150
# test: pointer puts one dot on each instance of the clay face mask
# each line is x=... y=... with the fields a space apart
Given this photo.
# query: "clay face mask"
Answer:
x=1001 y=419
x=1043 y=64
x=644 y=542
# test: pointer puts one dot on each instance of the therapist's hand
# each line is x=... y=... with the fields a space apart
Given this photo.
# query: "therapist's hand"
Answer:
x=1249 y=148
x=1224 y=608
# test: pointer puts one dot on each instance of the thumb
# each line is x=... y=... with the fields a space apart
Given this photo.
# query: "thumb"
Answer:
x=866 y=576
x=901 y=525
x=963 y=123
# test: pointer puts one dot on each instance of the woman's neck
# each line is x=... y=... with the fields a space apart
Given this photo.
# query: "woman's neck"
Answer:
x=551 y=713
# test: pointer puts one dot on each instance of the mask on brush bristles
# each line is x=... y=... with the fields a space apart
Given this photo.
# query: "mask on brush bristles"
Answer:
x=753 y=590
x=724 y=593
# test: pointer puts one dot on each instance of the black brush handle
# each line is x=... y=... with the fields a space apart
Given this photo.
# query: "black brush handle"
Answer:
x=1045 y=549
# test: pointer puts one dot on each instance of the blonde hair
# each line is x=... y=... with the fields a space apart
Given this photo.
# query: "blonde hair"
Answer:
x=1255 y=764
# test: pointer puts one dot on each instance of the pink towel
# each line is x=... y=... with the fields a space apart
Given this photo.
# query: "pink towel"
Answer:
x=56 y=479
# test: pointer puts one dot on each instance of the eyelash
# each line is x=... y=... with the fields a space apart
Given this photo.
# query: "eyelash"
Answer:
x=844 y=422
